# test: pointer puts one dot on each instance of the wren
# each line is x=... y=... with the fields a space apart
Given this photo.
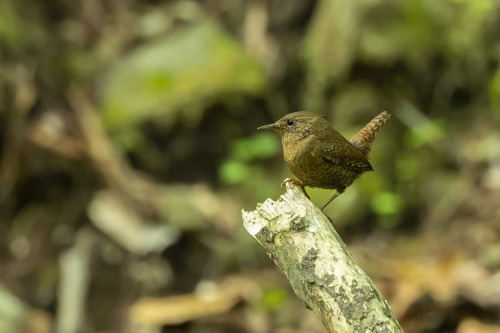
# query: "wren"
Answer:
x=320 y=156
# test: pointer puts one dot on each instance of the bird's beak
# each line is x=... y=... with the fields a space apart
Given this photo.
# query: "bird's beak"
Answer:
x=270 y=126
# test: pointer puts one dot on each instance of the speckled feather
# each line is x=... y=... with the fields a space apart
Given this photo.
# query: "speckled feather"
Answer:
x=320 y=156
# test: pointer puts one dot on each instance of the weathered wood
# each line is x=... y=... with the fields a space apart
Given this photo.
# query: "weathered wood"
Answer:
x=322 y=271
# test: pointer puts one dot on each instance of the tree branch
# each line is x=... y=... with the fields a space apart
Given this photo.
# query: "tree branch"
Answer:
x=322 y=271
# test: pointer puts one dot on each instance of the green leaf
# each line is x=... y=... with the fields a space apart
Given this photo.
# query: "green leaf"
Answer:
x=181 y=72
x=426 y=132
x=387 y=203
x=257 y=146
x=233 y=172
x=273 y=299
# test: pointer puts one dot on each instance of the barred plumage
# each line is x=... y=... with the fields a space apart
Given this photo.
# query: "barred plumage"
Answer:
x=363 y=140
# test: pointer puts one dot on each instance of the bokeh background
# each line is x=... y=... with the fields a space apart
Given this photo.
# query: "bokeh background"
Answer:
x=129 y=147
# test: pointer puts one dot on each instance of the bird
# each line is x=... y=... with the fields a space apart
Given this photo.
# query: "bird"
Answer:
x=320 y=156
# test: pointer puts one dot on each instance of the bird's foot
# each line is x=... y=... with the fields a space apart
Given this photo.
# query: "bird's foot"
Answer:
x=296 y=183
x=291 y=181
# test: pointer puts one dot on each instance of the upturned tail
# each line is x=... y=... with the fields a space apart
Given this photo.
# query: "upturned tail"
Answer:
x=363 y=140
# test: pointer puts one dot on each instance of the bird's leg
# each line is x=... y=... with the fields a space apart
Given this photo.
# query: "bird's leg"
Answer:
x=296 y=183
x=331 y=199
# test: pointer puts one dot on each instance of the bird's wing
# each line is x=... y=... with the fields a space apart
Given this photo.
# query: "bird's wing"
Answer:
x=344 y=154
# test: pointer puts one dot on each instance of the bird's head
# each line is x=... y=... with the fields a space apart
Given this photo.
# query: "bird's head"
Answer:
x=297 y=126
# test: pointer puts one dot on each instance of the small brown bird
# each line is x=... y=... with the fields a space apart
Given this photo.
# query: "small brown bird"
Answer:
x=320 y=156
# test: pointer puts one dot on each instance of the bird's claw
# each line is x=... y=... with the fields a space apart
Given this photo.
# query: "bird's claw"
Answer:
x=296 y=183
x=291 y=181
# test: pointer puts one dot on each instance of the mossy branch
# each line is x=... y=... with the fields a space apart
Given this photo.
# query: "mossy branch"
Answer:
x=322 y=271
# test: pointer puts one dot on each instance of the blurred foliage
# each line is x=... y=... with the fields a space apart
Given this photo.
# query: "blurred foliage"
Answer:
x=273 y=299
x=243 y=151
x=156 y=104
x=183 y=72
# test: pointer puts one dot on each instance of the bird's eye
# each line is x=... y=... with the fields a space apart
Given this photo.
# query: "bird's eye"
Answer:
x=290 y=122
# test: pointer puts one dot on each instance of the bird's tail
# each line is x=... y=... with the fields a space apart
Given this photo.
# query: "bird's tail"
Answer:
x=363 y=140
